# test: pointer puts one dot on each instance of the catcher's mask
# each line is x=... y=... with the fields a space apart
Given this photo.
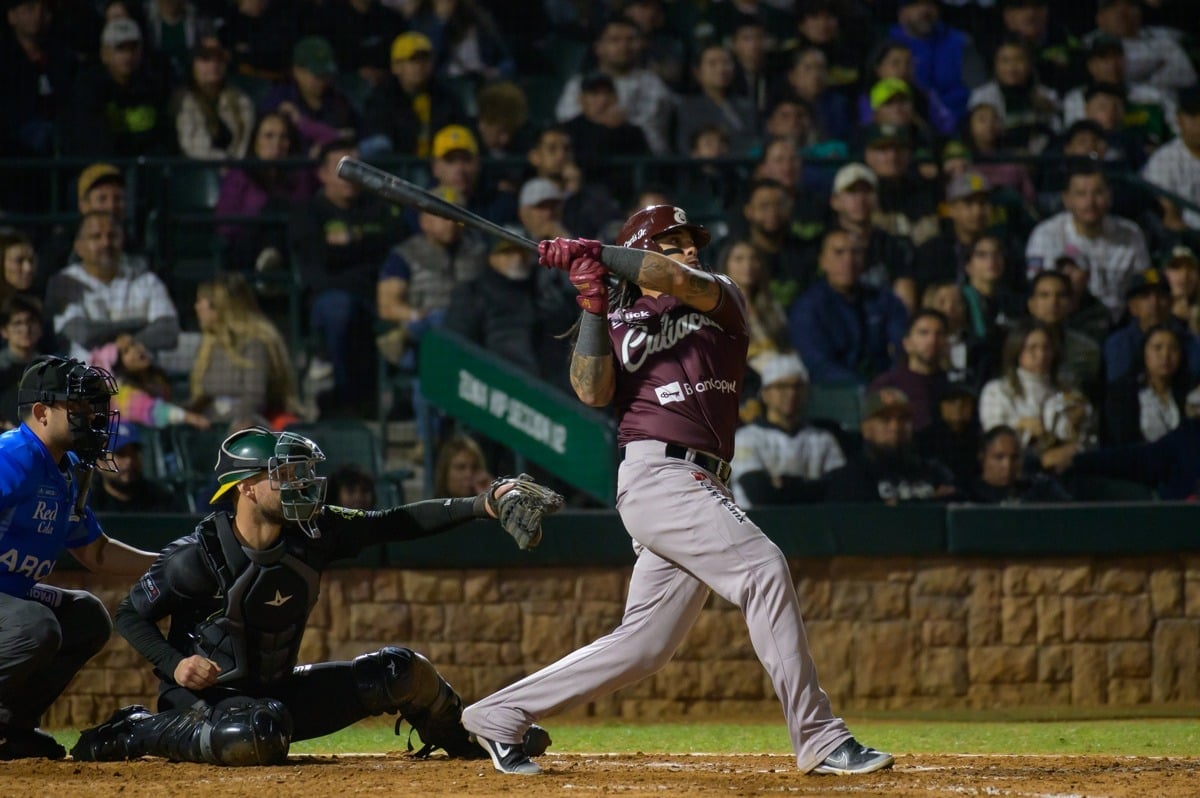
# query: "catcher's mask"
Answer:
x=84 y=391
x=290 y=461
x=640 y=230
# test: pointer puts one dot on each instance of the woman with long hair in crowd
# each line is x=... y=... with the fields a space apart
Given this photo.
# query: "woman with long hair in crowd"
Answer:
x=214 y=120
x=242 y=368
x=1151 y=400
x=767 y=321
x=461 y=469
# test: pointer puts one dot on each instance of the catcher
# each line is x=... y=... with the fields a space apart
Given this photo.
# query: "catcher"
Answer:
x=239 y=591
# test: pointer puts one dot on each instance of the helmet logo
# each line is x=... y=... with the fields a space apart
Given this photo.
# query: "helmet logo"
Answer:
x=680 y=216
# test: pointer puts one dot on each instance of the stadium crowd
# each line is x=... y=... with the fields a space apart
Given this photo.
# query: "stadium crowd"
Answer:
x=969 y=227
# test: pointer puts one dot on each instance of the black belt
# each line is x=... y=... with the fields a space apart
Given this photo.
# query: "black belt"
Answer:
x=706 y=461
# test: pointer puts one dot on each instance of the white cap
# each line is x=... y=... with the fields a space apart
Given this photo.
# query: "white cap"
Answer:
x=853 y=173
x=120 y=30
x=774 y=366
x=539 y=190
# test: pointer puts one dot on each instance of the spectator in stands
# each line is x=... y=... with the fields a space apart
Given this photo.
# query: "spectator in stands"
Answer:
x=725 y=16
x=907 y=204
x=319 y=110
x=819 y=25
x=767 y=323
x=501 y=123
x=853 y=203
x=1149 y=401
x=990 y=304
x=642 y=99
x=1148 y=302
x=21 y=328
x=143 y=389
x=119 y=107
x=515 y=311
x=953 y=437
x=781 y=161
x=38 y=71
x=969 y=208
x=808 y=80
x=1088 y=314
x=18 y=264
x=892 y=104
x=456 y=166
x=920 y=374
x=945 y=59
x=261 y=35
x=1055 y=49
x=589 y=206
x=894 y=60
x=174 y=29
x=748 y=43
x=419 y=275
x=100 y=187
x=845 y=331
x=1030 y=397
x=540 y=209
x=600 y=131
x=968 y=357
x=1029 y=110
x=767 y=213
x=351 y=486
x=779 y=459
x=1106 y=63
x=103 y=294
x=214 y=119
x=1176 y=166
x=242 y=368
x=361 y=32
x=405 y=110
x=1115 y=248
x=1154 y=54
x=982 y=133
x=1182 y=270
x=1050 y=303
x=715 y=104
x=466 y=41
x=262 y=189
x=461 y=469
x=338 y=240
x=999 y=480
x=126 y=490
x=890 y=470
x=665 y=51
x=710 y=181
x=789 y=117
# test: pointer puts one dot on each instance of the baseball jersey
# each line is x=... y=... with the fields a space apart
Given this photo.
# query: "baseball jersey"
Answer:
x=37 y=518
x=1175 y=168
x=808 y=453
x=679 y=371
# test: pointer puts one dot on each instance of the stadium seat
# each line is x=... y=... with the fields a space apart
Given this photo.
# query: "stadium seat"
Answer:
x=196 y=450
x=1108 y=489
x=565 y=56
x=837 y=403
x=542 y=91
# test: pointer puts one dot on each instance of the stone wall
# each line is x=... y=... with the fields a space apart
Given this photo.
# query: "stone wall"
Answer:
x=886 y=633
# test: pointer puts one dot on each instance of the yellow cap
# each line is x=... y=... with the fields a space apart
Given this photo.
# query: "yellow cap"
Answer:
x=454 y=137
x=888 y=89
x=96 y=173
x=406 y=45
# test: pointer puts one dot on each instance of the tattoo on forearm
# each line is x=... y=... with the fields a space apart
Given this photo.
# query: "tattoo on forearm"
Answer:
x=591 y=376
x=657 y=272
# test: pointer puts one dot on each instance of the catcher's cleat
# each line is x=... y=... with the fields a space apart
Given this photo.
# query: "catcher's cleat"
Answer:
x=509 y=757
x=536 y=741
x=852 y=758
x=18 y=743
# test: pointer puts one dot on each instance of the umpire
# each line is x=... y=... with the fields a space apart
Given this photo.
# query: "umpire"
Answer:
x=46 y=465
x=239 y=591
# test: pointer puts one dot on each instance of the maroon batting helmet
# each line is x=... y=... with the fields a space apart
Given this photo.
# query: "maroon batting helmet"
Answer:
x=640 y=229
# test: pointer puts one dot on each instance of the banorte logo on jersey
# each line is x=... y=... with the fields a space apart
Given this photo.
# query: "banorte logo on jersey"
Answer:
x=678 y=392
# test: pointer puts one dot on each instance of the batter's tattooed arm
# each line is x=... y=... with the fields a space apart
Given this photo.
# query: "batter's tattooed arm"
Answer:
x=657 y=272
x=593 y=379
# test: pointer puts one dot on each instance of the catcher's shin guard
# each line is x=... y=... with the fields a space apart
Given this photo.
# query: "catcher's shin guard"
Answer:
x=236 y=732
x=401 y=680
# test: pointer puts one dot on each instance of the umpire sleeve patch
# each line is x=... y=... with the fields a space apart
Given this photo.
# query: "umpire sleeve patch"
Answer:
x=150 y=588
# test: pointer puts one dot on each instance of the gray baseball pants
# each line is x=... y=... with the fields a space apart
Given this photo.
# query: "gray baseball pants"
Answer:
x=44 y=641
x=689 y=536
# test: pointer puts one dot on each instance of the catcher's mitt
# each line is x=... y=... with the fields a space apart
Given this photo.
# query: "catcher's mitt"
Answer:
x=521 y=509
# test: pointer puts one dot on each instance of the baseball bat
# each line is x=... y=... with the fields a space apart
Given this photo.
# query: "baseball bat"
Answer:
x=398 y=190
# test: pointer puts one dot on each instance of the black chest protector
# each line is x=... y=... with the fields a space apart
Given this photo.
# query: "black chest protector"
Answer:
x=267 y=597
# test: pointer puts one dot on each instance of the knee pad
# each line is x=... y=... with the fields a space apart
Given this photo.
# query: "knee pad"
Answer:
x=99 y=625
x=247 y=731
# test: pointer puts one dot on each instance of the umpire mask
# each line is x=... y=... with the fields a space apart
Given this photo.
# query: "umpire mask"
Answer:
x=84 y=391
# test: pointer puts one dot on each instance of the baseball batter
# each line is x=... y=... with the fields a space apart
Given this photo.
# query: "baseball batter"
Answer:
x=670 y=357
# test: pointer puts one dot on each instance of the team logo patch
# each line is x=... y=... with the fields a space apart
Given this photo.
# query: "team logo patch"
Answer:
x=671 y=392
x=680 y=216
x=150 y=587
x=345 y=512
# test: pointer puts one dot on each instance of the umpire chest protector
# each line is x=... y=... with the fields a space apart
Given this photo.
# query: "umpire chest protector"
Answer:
x=267 y=597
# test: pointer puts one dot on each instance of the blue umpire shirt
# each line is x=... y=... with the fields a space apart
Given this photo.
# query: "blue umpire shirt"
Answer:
x=37 y=502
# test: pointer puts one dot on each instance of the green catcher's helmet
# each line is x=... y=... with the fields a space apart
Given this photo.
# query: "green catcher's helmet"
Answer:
x=290 y=461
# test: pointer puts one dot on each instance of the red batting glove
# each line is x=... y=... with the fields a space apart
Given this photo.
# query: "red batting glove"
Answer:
x=559 y=253
x=588 y=276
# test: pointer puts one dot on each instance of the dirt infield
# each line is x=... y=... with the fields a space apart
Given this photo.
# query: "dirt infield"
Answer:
x=637 y=775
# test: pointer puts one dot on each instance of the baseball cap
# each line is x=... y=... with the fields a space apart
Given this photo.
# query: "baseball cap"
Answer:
x=121 y=30
x=1105 y=44
x=316 y=55
x=885 y=401
x=95 y=175
x=1189 y=100
x=127 y=435
x=853 y=173
x=966 y=185
x=887 y=134
x=597 y=80
x=454 y=137
x=1147 y=282
x=887 y=90
x=410 y=44
x=955 y=149
x=539 y=190
x=774 y=367
x=1096 y=89
x=1180 y=256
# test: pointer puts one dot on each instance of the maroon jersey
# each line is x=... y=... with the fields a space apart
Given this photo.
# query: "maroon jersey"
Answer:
x=679 y=371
